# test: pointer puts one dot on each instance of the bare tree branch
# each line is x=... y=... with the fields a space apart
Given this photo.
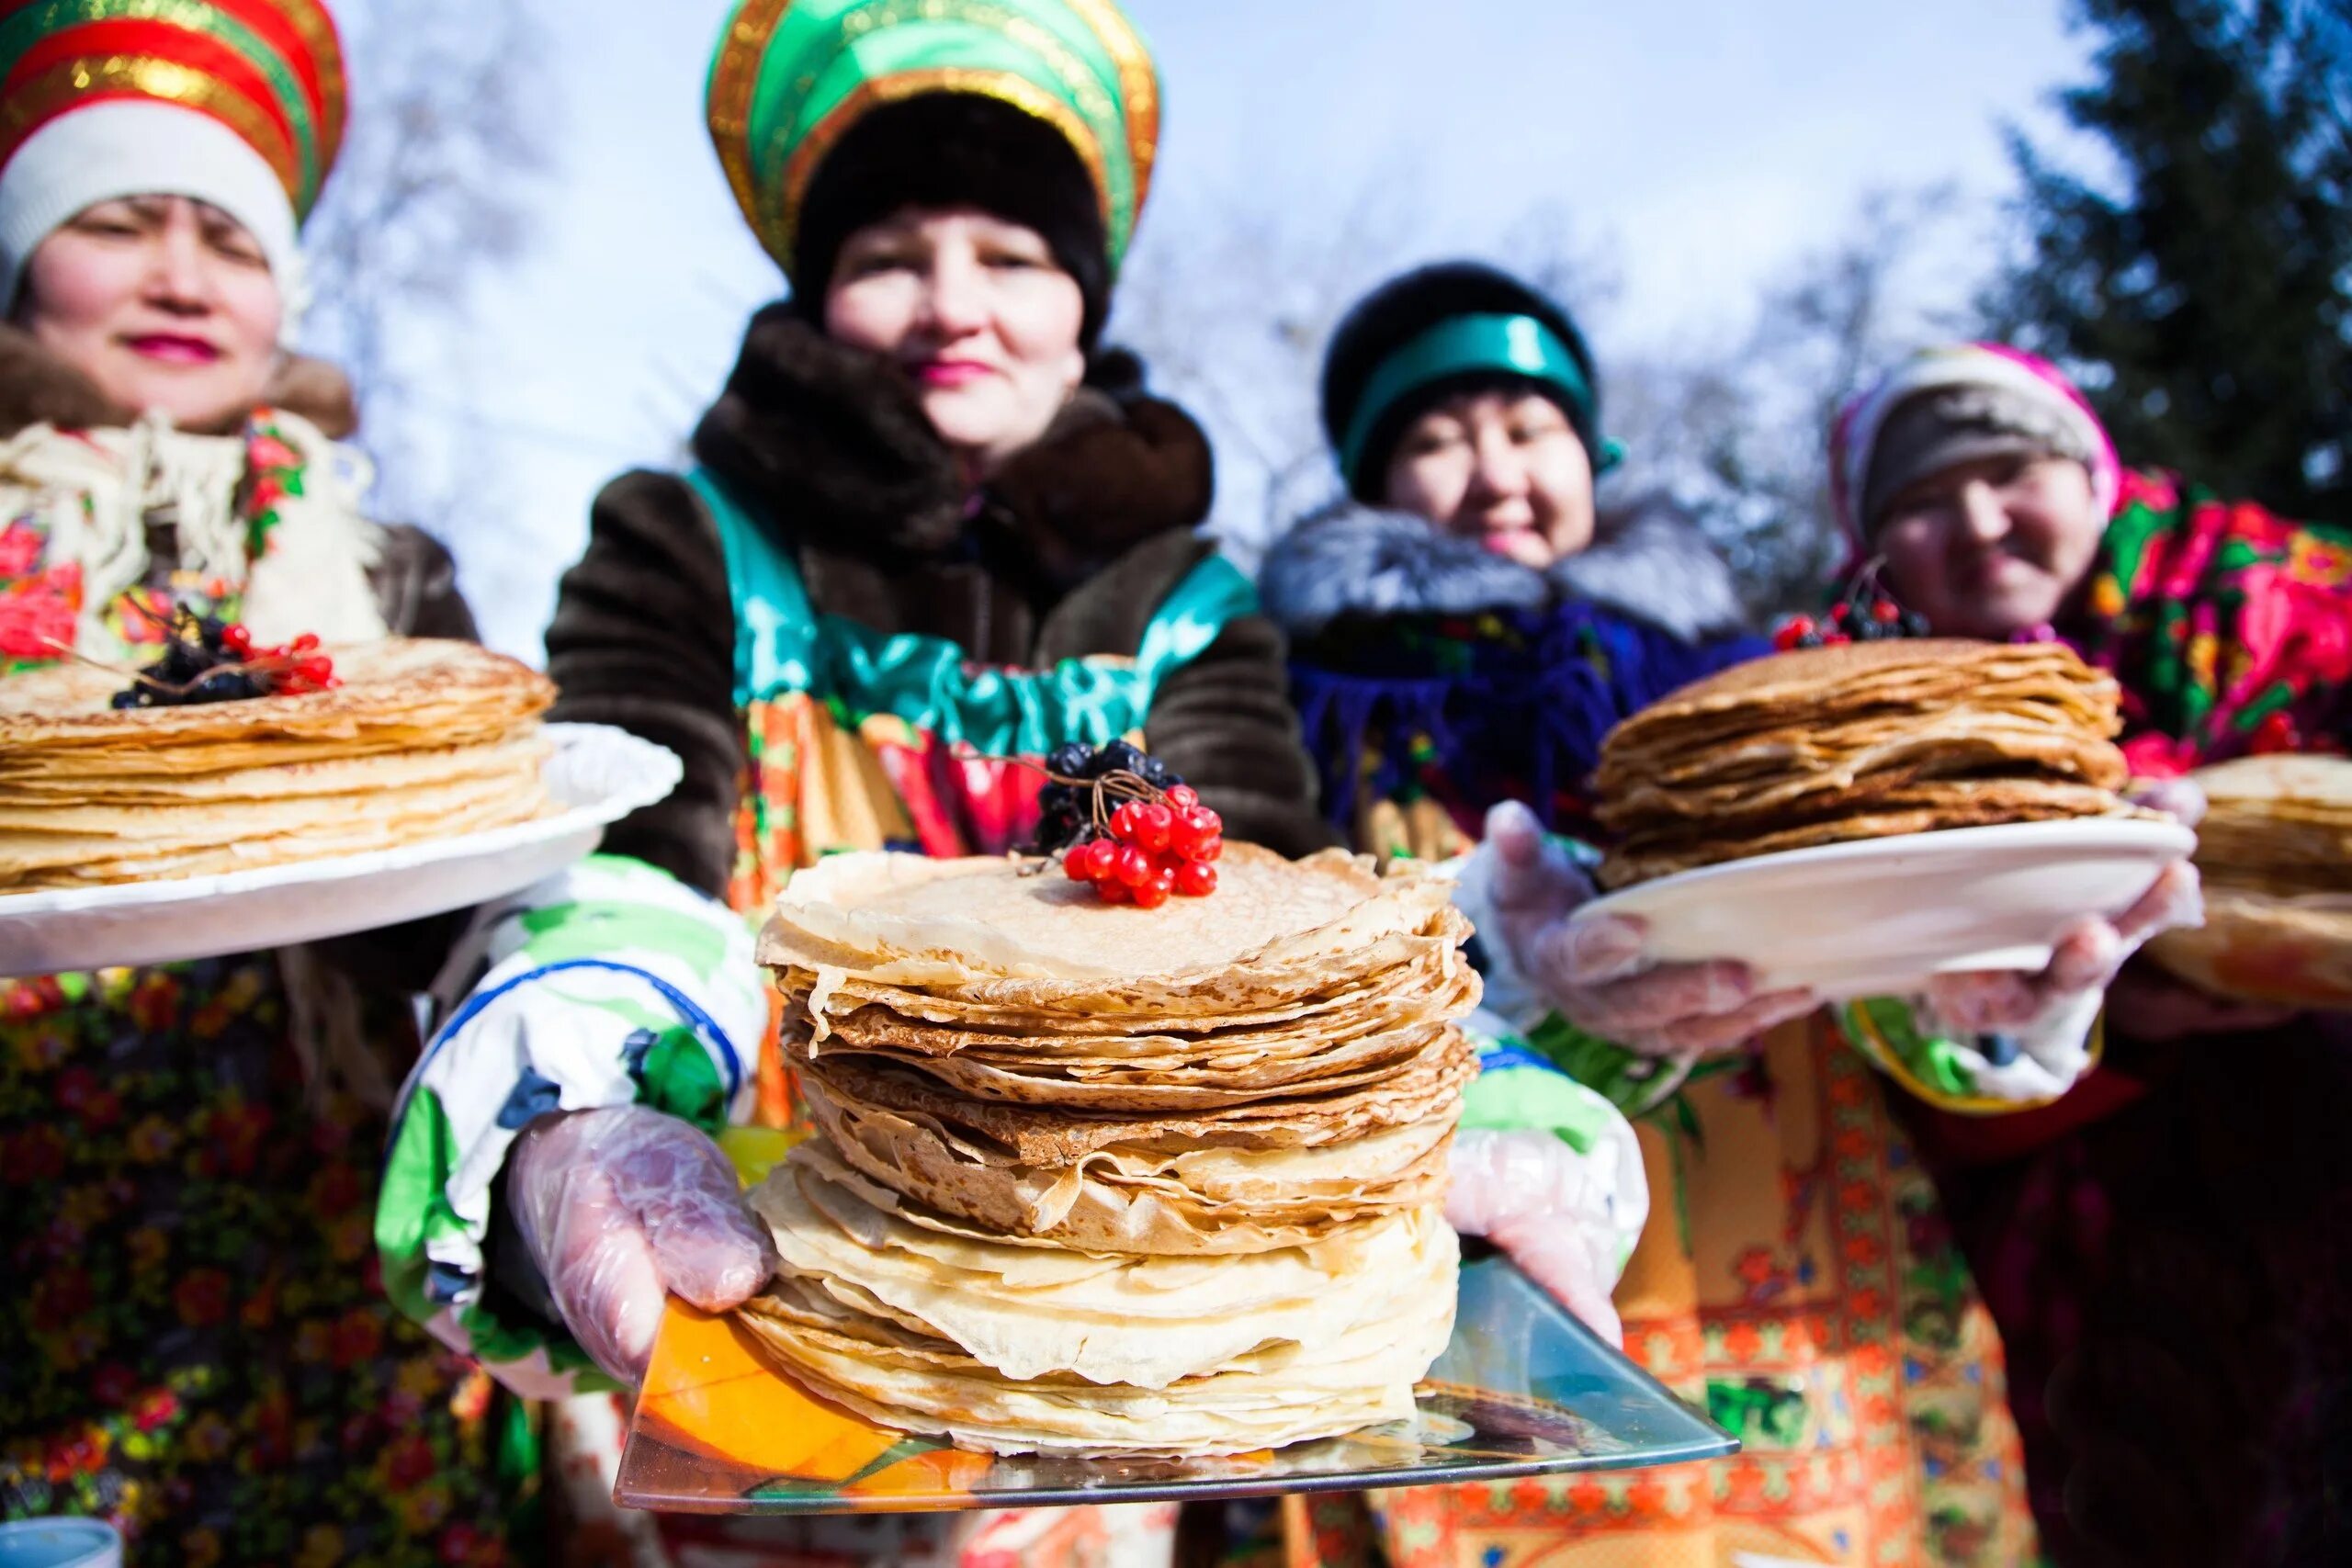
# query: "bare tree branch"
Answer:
x=429 y=199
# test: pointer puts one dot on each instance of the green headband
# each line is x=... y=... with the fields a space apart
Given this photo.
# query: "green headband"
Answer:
x=1513 y=346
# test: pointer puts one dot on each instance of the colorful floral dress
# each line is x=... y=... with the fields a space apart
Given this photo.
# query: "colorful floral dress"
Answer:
x=2170 y=1176
x=199 y=1346
x=1796 y=1281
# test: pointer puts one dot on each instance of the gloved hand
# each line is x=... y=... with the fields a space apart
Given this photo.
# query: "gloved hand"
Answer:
x=2067 y=994
x=1594 y=971
x=2082 y=961
x=618 y=1207
x=1564 y=1217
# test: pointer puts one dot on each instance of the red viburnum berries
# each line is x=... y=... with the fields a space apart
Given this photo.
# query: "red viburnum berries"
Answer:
x=1151 y=851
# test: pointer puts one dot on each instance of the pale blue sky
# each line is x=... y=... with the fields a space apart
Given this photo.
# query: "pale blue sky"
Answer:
x=1705 y=143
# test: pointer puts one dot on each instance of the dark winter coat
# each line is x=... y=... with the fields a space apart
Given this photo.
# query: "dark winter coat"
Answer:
x=1065 y=553
x=1436 y=677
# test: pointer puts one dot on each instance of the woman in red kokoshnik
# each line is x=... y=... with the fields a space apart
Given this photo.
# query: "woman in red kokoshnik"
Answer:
x=198 y=1347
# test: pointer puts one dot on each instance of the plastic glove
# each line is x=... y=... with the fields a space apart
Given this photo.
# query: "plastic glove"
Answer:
x=618 y=1207
x=2178 y=798
x=2083 y=959
x=1594 y=971
x=2144 y=1002
x=1562 y=1216
x=2088 y=954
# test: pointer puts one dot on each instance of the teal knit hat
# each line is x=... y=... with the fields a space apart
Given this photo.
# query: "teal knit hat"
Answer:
x=1419 y=337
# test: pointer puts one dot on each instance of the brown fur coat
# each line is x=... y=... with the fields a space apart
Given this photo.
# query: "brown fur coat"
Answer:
x=1072 y=548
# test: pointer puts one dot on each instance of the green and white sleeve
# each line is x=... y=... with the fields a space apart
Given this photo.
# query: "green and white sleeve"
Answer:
x=612 y=984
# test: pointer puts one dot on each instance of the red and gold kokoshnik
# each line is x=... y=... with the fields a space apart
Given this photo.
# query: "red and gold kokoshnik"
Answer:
x=269 y=70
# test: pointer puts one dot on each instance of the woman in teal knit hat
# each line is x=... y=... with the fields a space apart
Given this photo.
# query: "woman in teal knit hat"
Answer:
x=1468 y=623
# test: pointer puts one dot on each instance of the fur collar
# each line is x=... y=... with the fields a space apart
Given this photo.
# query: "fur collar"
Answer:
x=1648 y=562
x=37 y=387
x=833 y=443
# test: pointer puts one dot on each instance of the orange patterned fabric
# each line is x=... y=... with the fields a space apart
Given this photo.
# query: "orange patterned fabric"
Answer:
x=1797 y=1283
x=819 y=781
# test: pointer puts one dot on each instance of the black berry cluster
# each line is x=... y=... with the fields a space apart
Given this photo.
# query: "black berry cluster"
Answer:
x=1066 y=809
x=210 y=661
x=1865 y=612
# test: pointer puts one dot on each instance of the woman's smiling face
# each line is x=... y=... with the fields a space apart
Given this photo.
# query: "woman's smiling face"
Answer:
x=1502 y=466
x=1995 y=546
x=168 y=304
x=975 y=311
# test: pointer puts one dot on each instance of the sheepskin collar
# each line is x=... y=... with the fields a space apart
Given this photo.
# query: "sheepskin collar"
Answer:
x=1647 y=561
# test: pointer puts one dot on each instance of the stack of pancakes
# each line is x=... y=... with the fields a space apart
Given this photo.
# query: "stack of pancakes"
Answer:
x=2275 y=850
x=422 y=739
x=1859 y=740
x=1098 y=1180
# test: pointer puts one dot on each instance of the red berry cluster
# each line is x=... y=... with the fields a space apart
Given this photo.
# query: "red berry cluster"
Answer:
x=1151 y=850
x=2275 y=733
x=206 y=660
x=291 y=670
x=1864 y=613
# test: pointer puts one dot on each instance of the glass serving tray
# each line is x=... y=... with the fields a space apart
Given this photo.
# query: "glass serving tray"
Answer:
x=1523 y=1388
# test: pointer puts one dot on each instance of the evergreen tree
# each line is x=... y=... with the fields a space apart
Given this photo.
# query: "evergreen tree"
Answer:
x=2203 y=287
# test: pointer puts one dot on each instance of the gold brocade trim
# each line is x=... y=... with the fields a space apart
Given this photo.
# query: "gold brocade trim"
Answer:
x=1085 y=87
x=154 y=77
x=776 y=222
x=1138 y=85
x=310 y=20
x=734 y=79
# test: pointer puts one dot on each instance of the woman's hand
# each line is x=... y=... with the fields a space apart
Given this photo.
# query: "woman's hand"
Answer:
x=1594 y=971
x=2087 y=956
x=622 y=1207
x=2089 y=953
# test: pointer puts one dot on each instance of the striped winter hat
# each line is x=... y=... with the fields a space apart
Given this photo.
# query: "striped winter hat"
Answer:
x=1995 y=389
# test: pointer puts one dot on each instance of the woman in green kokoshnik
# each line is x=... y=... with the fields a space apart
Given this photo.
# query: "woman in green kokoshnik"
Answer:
x=930 y=529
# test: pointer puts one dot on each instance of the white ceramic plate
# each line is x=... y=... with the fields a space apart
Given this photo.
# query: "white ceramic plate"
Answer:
x=597 y=775
x=1878 y=916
